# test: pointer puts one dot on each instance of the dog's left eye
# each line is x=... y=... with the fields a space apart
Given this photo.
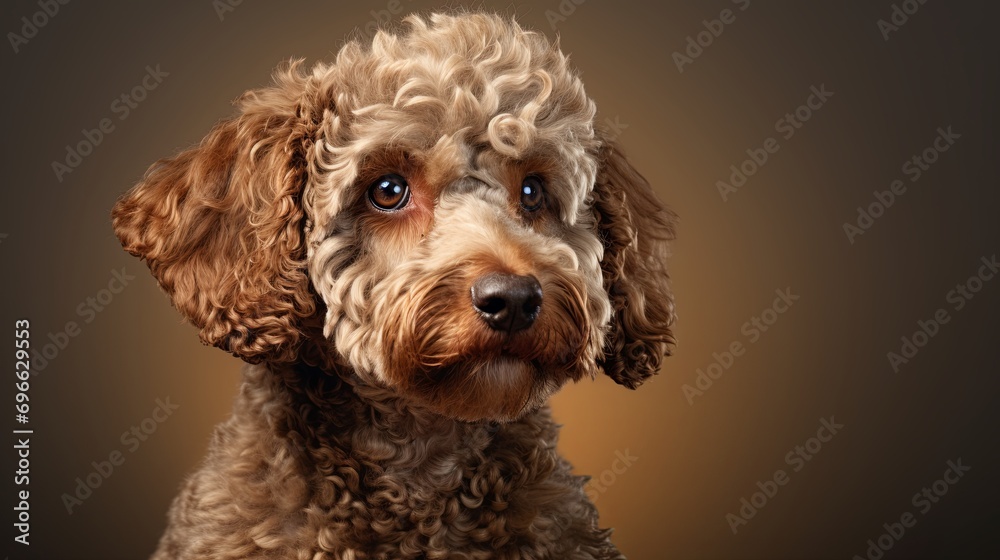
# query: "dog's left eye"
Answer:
x=389 y=193
x=532 y=195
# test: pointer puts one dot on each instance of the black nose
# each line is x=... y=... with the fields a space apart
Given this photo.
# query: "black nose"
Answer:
x=507 y=302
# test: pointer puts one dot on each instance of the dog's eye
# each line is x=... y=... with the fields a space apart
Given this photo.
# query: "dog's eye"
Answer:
x=532 y=195
x=389 y=193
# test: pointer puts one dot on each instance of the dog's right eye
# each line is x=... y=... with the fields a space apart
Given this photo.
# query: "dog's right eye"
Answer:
x=532 y=193
x=389 y=193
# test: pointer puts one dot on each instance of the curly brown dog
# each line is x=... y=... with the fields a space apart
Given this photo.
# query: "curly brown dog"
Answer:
x=415 y=246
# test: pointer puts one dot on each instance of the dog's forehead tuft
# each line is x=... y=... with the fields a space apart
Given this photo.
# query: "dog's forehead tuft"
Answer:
x=479 y=72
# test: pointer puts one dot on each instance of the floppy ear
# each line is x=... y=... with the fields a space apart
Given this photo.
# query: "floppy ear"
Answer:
x=636 y=230
x=221 y=226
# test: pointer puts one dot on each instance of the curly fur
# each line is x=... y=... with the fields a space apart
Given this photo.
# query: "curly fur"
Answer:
x=383 y=419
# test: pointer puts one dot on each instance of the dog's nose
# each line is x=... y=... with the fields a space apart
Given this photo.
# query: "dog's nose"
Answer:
x=507 y=302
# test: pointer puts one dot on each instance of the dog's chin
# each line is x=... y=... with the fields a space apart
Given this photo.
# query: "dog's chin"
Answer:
x=501 y=388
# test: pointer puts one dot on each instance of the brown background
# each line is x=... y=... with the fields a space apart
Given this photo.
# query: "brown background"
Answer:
x=825 y=356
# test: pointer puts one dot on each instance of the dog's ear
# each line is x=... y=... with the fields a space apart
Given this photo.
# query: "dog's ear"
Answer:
x=221 y=226
x=636 y=229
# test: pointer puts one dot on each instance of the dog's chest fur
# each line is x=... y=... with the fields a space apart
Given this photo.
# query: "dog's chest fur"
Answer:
x=310 y=467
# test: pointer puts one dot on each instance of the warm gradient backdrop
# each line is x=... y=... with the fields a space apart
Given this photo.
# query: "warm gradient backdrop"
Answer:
x=691 y=460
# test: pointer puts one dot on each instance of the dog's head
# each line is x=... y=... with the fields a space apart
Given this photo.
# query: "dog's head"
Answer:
x=439 y=201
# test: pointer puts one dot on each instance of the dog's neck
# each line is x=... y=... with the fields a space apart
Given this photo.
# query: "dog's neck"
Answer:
x=368 y=467
x=321 y=410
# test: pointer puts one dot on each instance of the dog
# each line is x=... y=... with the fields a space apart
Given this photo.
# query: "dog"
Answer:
x=413 y=247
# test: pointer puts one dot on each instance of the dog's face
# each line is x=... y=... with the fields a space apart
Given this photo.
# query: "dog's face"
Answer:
x=441 y=201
